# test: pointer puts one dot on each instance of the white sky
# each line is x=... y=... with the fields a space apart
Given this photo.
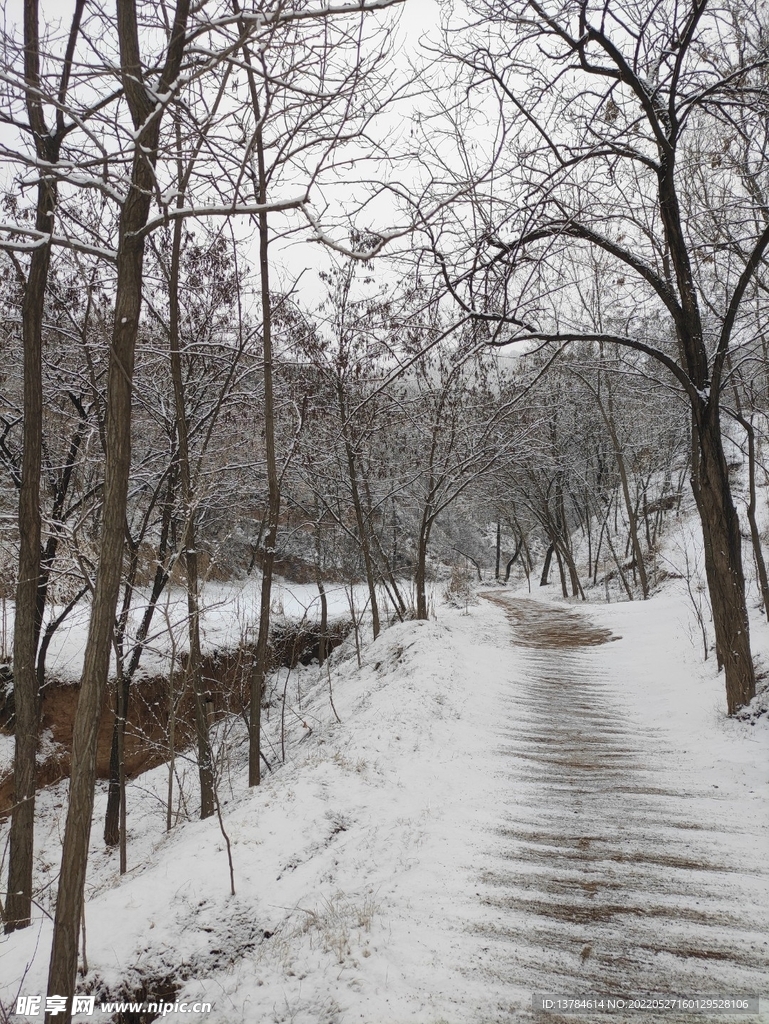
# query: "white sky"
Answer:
x=416 y=21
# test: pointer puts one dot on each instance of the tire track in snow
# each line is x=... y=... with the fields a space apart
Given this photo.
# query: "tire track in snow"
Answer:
x=614 y=870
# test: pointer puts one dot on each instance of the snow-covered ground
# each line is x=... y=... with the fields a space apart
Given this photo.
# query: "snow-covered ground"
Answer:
x=367 y=867
x=229 y=614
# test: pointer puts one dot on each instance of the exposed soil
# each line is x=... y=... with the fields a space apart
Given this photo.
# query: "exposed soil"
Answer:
x=226 y=676
x=146 y=743
x=609 y=872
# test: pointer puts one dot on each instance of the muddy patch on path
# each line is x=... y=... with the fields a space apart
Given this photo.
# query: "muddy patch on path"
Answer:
x=541 y=626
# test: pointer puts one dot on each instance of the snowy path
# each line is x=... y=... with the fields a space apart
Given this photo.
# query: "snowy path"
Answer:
x=617 y=868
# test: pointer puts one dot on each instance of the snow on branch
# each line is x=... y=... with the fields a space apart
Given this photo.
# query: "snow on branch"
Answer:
x=38 y=239
x=226 y=210
x=260 y=20
x=374 y=241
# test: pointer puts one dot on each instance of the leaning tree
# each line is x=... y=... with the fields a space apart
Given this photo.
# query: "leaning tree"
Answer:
x=633 y=130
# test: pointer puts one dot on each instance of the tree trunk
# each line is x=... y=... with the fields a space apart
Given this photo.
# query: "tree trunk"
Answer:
x=723 y=558
x=130 y=261
x=322 y=640
x=544 y=579
x=259 y=673
x=30 y=589
x=607 y=412
x=171 y=742
x=499 y=552
x=28 y=619
x=122 y=687
x=358 y=508
x=189 y=547
x=710 y=477
x=398 y=601
x=511 y=562
x=384 y=562
x=420 y=577
x=97 y=654
x=620 y=570
x=755 y=534
x=576 y=586
x=561 y=573
x=195 y=670
x=114 y=831
x=321 y=588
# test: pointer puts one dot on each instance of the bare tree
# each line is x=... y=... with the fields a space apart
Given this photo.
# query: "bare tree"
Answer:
x=134 y=215
x=459 y=413
x=609 y=118
x=30 y=594
x=304 y=110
